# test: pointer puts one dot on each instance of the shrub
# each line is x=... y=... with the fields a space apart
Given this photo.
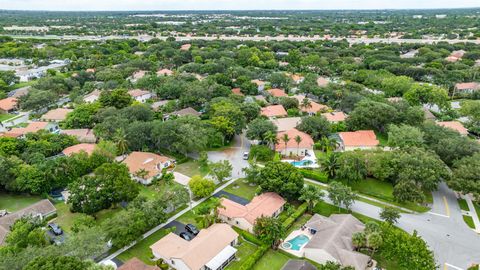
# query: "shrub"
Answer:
x=262 y=153
x=254 y=258
x=201 y=187
x=298 y=213
x=314 y=175
x=248 y=236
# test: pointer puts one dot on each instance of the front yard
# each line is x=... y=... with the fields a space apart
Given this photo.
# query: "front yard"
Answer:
x=142 y=249
x=191 y=168
x=242 y=189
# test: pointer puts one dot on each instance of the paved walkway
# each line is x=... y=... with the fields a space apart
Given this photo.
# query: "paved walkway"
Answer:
x=473 y=212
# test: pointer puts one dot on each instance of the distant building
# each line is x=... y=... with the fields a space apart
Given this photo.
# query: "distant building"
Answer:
x=360 y=139
x=322 y=82
x=88 y=148
x=164 y=72
x=83 y=135
x=454 y=125
x=273 y=111
x=287 y=123
x=335 y=117
x=56 y=115
x=185 y=47
x=313 y=107
x=467 y=88
x=237 y=92
x=183 y=112
x=31 y=128
x=292 y=148
x=8 y=105
x=92 y=97
x=137 y=75
x=260 y=84
x=275 y=92
x=140 y=95
x=145 y=166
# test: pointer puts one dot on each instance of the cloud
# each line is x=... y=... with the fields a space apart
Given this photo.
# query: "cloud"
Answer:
x=229 y=4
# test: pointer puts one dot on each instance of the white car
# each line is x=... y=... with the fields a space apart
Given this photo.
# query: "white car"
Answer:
x=245 y=155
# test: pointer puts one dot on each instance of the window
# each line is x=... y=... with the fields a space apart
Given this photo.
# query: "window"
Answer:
x=173 y=262
x=236 y=222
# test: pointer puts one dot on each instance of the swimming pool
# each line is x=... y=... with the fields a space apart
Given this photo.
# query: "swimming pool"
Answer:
x=304 y=162
x=298 y=241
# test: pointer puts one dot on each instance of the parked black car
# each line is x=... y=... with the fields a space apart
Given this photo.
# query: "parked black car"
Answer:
x=185 y=236
x=55 y=229
x=191 y=229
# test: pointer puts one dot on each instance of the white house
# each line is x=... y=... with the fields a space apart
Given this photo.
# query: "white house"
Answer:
x=292 y=148
x=140 y=95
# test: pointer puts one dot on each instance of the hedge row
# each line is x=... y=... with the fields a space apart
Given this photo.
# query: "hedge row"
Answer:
x=298 y=213
x=254 y=258
x=248 y=236
x=314 y=175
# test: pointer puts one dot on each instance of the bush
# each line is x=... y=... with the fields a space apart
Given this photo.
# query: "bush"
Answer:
x=254 y=258
x=201 y=187
x=248 y=236
x=314 y=175
x=262 y=153
x=298 y=213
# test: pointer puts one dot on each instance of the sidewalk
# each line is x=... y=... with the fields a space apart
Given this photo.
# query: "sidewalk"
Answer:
x=472 y=212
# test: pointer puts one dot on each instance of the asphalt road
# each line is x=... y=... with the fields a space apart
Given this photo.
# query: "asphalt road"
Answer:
x=233 y=154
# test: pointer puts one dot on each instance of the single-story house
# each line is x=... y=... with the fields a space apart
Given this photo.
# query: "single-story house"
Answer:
x=212 y=249
x=81 y=147
x=331 y=240
x=275 y=92
x=145 y=166
x=83 y=135
x=31 y=128
x=8 y=105
x=135 y=264
x=42 y=209
x=56 y=115
x=137 y=75
x=313 y=107
x=304 y=148
x=92 y=97
x=183 y=112
x=273 y=111
x=164 y=72
x=237 y=91
x=322 y=82
x=360 y=139
x=455 y=56
x=90 y=70
x=297 y=78
x=287 y=123
x=140 y=95
x=20 y=92
x=267 y=204
x=260 y=84
x=157 y=104
x=454 y=125
x=468 y=87
x=185 y=47
x=335 y=117
x=298 y=265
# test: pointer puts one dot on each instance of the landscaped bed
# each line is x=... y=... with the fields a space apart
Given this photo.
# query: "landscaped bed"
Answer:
x=469 y=221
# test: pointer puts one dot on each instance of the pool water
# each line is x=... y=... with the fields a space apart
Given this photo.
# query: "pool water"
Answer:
x=298 y=241
x=301 y=163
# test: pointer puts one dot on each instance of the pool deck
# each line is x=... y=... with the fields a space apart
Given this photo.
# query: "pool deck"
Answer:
x=308 y=158
x=298 y=253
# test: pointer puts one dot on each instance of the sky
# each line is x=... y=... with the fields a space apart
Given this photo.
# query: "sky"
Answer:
x=231 y=4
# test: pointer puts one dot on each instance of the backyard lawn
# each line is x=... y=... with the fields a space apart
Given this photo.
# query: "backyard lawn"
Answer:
x=242 y=189
x=191 y=168
x=12 y=202
x=245 y=249
x=5 y=116
x=272 y=260
x=142 y=249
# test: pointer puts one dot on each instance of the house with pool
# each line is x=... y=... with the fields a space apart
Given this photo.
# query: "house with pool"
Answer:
x=267 y=204
x=324 y=239
x=293 y=148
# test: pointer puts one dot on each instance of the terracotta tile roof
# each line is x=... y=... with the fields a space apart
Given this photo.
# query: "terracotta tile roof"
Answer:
x=138 y=92
x=43 y=207
x=185 y=47
x=455 y=125
x=135 y=264
x=273 y=111
x=91 y=70
x=322 y=82
x=359 y=138
x=31 y=128
x=452 y=59
x=275 y=92
x=458 y=54
x=8 y=104
x=139 y=74
x=58 y=114
x=200 y=250
x=237 y=91
x=307 y=141
x=145 y=160
x=335 y=116
x=266 y=204
x=95 y=94
x=258 y=82
x=164 y=72
x=314 y=106
x=75 y=149
x=468 y=86
x=83 y=135
x=284 y=124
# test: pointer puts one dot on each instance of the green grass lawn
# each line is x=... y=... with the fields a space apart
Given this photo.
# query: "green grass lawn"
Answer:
x=325 y=209
x=320 y=155
x=272 y=260
x=463 y=204
x=191 y=168
x=244 y=250
x=13 y=202
x=469 y=221
x=477 y=208
x=5 y=116
x=20 y=85
x=142 y=249
x=191 y=217
x=242 y=189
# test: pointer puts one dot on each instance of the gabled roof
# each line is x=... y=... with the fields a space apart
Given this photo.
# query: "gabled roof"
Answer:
x=137 y=161
x=43 y=207
x=273 y=111
x=31 y=128
x=82 y=134
x=276 y=92
x=455 y=125
x=335 y=116
x=307 y=141
x=334 y=235
x=200 y=250
x=468 y=86
x=359 y=138
x=298 y=265
x=82 y=147
x=135 y=264
x=8 y=104
x=164 y=72
x=58 y=114
x=266 y=204
x=138 y=93
x=314 y=106
x=186 y=111
x=287 y=123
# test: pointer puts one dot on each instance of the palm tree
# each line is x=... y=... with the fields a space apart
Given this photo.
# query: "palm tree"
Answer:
x=142 y=173
x=285 y=139
x=330 y=165
x=311 y=195
x=271 y=138
x=121 y=141
x=298 y=140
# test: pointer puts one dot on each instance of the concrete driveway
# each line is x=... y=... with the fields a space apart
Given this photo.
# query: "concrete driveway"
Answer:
x=455 y=245
x=182 y=179
x=234 y=154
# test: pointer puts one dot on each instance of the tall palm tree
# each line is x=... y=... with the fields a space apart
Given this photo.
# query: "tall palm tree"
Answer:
x=285 y=139
x=121 y=141
x=330 y=165
x=298 y=140
x=271 y=138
